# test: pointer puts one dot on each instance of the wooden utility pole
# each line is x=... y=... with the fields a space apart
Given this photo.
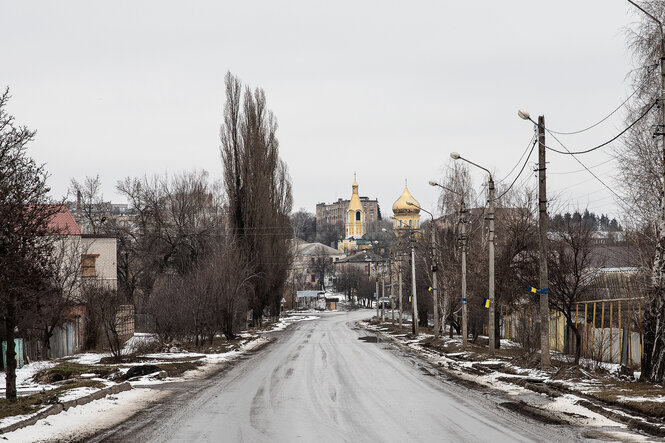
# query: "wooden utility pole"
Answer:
x=542 y=227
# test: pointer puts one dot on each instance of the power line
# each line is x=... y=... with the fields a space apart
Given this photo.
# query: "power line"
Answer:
x=533 y=140
x=582 y=170
x=591 y=172
x=521 y=157
x=568 y=152
x=650 y=67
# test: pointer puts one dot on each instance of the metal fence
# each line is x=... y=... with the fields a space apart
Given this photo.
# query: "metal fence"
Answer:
x=610 y=329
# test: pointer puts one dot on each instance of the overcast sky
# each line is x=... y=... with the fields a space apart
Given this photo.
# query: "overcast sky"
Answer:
x=386 y=89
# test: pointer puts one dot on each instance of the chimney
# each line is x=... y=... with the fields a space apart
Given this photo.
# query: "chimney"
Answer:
x=78 y=203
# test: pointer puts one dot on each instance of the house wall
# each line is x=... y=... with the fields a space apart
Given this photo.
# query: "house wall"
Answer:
x=106 y=266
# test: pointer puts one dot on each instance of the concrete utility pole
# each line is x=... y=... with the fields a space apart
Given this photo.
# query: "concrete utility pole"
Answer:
x=399 y=267
x=490 y=297
x=465 y=309
x=435 y=288
x=376 y=294
x=392 y=289
x=542 y=228
x=490 y=332
x=383 y=293
x=414 y=299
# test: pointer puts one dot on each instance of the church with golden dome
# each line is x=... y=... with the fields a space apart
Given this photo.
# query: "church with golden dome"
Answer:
x=355 y=223
x=406 y=216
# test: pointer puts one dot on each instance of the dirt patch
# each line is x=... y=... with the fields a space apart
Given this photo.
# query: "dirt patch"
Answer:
x=67 y=371
x=532 y=412
x=369 y=339
x=33 y=403
x=177 y=369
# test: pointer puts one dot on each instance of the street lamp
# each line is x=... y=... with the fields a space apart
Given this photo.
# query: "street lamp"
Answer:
x=490 y=187
x=435 y=289
x=465 y=313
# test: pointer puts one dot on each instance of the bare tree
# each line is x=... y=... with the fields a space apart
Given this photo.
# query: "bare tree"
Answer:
x=63 y=289
x=304 y=225
x=258 y=189
x=176 y=220
x=25 y=214
x=641 y=173
x=91 y=210
x=570 y=265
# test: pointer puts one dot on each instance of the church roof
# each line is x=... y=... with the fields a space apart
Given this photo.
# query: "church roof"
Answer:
x=354 y=204
x=401 y=207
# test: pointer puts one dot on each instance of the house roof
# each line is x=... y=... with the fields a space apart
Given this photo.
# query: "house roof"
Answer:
x=362 y=257
x=63 y=223
x=316 y=249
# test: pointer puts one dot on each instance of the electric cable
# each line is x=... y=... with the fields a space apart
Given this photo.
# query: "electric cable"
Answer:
x=521 y=170
x=582 y=170
x=568 y=152
x=591 y=172
x=535 y=134
x=639 y=88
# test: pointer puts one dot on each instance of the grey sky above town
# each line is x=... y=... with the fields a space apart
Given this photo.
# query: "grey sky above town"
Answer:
x=385 y=89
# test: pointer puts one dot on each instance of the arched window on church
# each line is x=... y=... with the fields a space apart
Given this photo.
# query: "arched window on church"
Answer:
x=410 y=222
x=357 y=215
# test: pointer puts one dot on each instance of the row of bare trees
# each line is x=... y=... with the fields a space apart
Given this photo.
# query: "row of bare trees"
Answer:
x=573 y=259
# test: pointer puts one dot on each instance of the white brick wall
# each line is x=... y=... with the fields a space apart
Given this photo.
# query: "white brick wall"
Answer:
x=106 y=267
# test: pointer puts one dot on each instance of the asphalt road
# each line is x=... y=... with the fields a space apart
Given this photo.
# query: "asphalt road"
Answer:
x=321 y=382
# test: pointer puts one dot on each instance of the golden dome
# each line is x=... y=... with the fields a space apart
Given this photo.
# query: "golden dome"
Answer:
x=355 y=204
x=401 y=207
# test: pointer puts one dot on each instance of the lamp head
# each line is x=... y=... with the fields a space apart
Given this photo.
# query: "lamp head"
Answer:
x=433 y=183
x=454 y=155
x=524 y=115
x=410 y=203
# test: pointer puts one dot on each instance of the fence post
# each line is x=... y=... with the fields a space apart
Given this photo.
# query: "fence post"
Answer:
x=585 y=348
x=611 y=335
x=639 y=320
x=602 y=329
x=620 y=331
x=630 y=336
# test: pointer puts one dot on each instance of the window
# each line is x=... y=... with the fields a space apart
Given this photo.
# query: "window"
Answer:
x=88 y=265
x=357 y=215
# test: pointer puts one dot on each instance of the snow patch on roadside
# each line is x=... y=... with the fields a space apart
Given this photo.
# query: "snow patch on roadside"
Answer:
x=83 y=421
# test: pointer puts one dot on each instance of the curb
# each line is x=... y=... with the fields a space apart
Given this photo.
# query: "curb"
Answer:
x=59 y=407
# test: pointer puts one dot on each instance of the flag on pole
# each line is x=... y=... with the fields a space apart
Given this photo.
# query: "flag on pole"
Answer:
x=429 y=288
x=534 y=290
x=486 y=302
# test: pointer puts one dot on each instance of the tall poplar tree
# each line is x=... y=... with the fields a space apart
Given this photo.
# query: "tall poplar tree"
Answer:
x=258 y=189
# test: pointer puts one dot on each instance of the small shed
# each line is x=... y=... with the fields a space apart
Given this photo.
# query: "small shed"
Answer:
x=310 y=299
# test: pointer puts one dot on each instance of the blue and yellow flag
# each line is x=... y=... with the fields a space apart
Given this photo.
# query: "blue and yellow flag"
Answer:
x=534 y=290
x=429 y=288
x=486 y=302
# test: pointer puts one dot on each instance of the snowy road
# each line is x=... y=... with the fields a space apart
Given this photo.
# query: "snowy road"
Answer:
x=320 y=382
